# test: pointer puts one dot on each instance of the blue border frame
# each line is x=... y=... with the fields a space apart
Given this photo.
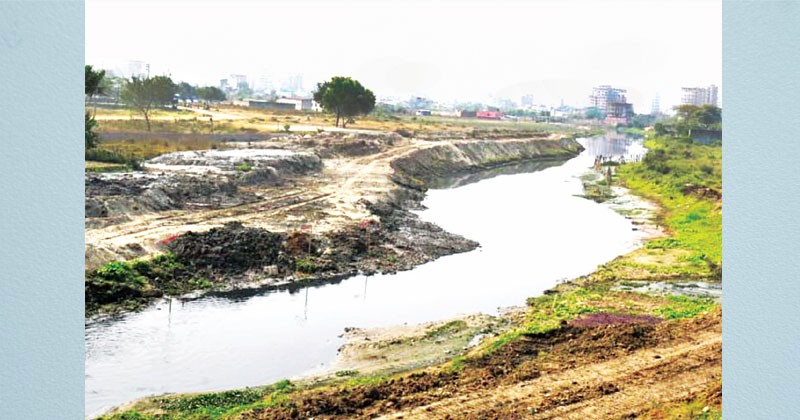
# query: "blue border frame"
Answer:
x=41 y=217
x=761 y=320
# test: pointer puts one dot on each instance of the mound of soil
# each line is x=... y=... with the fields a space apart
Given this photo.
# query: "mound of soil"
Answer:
x=114 y=194
x=232 y=249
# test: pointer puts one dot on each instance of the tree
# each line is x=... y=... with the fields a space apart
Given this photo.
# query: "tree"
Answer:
x=94 y=79
x=344 y=97
x=692 y=117
x=143 y=94
x=595 y=114
x=211 y=94
x=186 y=91
x=91 y=136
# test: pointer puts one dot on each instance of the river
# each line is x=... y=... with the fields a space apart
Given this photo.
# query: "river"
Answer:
x=533 y=229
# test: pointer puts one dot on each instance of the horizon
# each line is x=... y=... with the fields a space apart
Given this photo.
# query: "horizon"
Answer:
x=553 y=51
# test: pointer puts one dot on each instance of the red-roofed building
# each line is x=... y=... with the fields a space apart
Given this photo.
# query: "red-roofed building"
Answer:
x=489 y=115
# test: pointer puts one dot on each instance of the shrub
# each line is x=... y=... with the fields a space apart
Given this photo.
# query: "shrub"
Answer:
x=305 y=265
x=114 y=282
x=91 y=136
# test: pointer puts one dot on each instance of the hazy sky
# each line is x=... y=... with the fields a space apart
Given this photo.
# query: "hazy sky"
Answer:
x=466 y=50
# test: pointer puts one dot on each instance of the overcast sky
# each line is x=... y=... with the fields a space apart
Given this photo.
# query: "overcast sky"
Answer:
x=447 y=50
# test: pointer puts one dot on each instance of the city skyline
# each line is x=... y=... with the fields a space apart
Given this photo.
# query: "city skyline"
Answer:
x=553 y=51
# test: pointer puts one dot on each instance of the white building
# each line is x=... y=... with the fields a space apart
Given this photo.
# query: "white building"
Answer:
x=300 y=104
x=699 y=96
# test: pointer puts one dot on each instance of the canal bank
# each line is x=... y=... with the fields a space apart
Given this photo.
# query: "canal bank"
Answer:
x=445 y=292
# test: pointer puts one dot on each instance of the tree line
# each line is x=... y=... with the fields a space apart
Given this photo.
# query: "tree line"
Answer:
x=147 y=93
x=342 y=96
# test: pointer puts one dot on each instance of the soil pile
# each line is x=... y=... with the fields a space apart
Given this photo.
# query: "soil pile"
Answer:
x=232 y=249
x=120 y=194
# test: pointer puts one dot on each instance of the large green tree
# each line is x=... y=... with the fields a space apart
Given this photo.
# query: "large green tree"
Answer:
x=693 y=117
x=94 y=81
x=144 y=94
x=345 y=98
x=187 y=91
x=211 y=94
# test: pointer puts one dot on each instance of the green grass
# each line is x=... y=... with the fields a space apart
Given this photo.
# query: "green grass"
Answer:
x=548 y=312
x=679 y=307
x=448 y=328
x=208 y=406
x=695 y=222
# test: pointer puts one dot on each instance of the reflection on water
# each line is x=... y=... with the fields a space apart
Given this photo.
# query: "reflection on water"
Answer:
x=533 y=232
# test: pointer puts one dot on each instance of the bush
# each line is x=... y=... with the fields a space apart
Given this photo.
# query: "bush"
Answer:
x=305 y=265
x=113 y=282
x=102 y=155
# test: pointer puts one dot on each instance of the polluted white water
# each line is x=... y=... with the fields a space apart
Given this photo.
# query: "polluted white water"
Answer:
x=533 y=229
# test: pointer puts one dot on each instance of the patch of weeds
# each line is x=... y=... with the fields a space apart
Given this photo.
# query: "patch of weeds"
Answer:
x=448 y=328
x=679 y=307
x=243 y=167
x=201 y=283
x=456 y=364
x=305 y=265
x=367 y=380
x=665 y=243
x=343 y=373
x=225 y=399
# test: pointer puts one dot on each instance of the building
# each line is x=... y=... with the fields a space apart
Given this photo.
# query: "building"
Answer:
x=699 y=96
x=527 y=101
x=489 y=115
x=603 y=95
x=613 y=103
x=618 y=113
x=655 y=106
x=299 y=104
x=262 y=104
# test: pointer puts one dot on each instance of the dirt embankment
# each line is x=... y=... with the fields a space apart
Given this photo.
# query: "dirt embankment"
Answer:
x=192 y=180
x=353 y=216
x=606 y=371
x=428 y=167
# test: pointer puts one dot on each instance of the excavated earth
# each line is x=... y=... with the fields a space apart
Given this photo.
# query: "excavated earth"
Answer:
x=260 y=214
x=575 y=372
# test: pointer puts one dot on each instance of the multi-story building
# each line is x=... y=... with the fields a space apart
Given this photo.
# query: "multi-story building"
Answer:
x=527 y=100
x=655 y=106
x=603 y=95
x=612 y=102
x=699 y=96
